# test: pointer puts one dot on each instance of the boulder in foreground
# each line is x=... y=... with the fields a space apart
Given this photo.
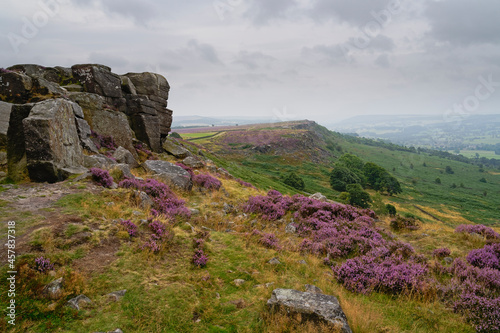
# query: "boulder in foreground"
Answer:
x=312 y=306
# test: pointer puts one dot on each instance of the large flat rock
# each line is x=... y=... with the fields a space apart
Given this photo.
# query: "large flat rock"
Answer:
x=313 y=306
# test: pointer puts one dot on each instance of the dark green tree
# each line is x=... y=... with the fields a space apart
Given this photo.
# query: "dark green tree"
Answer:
x=391 y=210
x=449 y=170
x=295 y=181
x=175 y=135
x=341 y=176
x=358 y=197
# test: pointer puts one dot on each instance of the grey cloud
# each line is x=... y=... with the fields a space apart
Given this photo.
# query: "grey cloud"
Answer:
x=464 y=22
x=354 y=12
x=383 y=61
x=261 y=12
x=253 y=60
x=108 y=59
x=204 y=51
x=326 y=54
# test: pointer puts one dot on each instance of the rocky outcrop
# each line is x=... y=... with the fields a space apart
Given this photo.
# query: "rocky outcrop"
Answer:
x=171 y=147
x=314 y=306
x=127 y=107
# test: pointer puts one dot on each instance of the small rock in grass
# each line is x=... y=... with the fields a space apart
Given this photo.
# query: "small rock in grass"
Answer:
x=302 y=262
x=274 y=261
x=310 y=288
x=290 y=228
x=117 y=295
x=78 y=301
x=448 y=260
x=239 y=282
x=54 y=289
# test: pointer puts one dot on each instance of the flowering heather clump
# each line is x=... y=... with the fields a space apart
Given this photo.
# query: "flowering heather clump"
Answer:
x=159 y=230
x=4 y=71
x=200 y=259
x=268 y=240
x=441 y=253
x=207 y=181
x=487 y=257
x=392 y=275
x=43 y=265
x=103 y=141
x=245 y=184
x=272 y=207
x=480 y=229
x=482 y=312
x=141 y=148
x=102 y=177
x=152 y=245
x=130 y=226
x=185 y=167
x=166 y=202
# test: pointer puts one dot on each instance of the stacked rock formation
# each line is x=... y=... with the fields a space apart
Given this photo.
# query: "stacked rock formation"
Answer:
x=47 y=115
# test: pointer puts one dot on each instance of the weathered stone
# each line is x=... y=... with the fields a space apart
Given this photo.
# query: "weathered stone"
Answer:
x=169 y=173
x=302 y=262
x=16 y=146
x=3 y=158
x=78 y=302
x=194 y=211
x=165 y=121
x=137 y=104
x=105 y=121
x=73 y=88
x=291 y=228
x=239 y=282
x=5 y=110
x=313 y=289
x=52 y=141
x=97 y=161
x=319 y=197
x=174 y=149
x=54 y=289
x=127 y=85
x=145 y=200
x=98 y=79
x=448 y=260
x=274 y=261
x=150 y=84
x=47 y=88
x=84 y=133
x=316 y=307
x=122 y=155
x=147 y=130
x=15 y=87
x=123 y=169
x=37 y=71
x=193 y=162
x=117 y=295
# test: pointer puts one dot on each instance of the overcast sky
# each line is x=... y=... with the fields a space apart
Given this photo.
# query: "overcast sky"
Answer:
x=324 y=60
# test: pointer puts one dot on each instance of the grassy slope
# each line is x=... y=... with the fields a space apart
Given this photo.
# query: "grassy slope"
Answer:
x=167 y=294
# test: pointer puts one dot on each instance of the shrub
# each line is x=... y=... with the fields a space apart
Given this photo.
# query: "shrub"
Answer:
x=400 y=223
x=437 y=180
x=175 y=135
x=391 y=210
x=207 y=181
x=479 y=229
x=43 y=265
x=130 y=226
x=390 y=274
x=441 y=253
x=295 y=181
x=200 y=259
x=449 y=170
x=102 y=177
x=358 y=197
x=103 y=141
x=341 y=176
x=487 y=257
x=483 y=180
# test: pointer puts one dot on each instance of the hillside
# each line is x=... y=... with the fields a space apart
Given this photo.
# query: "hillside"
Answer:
x=110 y=225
